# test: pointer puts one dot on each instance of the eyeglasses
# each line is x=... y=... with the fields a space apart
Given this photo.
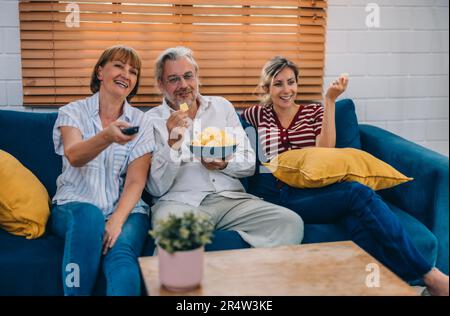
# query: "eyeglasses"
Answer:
x=176 y=80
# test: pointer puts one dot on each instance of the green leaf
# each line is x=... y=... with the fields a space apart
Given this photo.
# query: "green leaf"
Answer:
x=185 y=232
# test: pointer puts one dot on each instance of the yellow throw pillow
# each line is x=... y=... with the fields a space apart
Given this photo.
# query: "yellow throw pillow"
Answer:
x=316 y=167
x=24 y=201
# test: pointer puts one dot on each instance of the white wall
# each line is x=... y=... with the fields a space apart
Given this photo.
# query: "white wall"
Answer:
x=398 y=72
x=10 y=64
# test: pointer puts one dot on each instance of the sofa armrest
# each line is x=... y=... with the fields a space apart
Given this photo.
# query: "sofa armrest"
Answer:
x=426 y=197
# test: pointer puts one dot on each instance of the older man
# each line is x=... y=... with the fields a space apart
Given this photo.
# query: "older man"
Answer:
x=181 y=183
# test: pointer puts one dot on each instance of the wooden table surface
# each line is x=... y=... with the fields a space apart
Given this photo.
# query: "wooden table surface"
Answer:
x=337 y=268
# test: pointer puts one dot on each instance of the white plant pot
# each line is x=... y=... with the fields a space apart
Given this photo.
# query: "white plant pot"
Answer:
x=182 y=270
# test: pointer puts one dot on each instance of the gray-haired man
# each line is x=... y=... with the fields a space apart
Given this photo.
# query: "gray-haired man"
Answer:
x=180 y=183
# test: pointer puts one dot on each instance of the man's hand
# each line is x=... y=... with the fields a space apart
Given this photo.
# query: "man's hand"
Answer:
x=176 y=126
x=337 y=87
x=214 y=164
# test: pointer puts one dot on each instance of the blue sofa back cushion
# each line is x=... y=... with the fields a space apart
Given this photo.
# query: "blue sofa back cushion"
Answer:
x=347 y=129
x=28 y=137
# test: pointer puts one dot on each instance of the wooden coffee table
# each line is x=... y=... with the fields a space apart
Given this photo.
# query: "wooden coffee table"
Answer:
x=337 y=268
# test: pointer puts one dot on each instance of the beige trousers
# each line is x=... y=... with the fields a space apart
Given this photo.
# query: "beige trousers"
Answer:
x=259 y=223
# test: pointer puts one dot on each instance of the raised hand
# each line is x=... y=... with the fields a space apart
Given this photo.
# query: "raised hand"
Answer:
x=176 y=126
x=337 y=87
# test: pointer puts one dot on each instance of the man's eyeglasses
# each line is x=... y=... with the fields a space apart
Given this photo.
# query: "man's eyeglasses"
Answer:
x=176 y=80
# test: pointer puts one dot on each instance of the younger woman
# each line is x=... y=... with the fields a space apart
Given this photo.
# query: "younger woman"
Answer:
x=284 y=125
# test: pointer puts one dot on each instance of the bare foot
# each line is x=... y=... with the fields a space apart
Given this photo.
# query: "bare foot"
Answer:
x=437 y=282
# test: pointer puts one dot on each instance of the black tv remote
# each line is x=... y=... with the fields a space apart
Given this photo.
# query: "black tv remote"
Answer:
x=130 y=130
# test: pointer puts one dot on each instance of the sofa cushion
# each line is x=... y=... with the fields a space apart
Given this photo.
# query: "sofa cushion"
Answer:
x=316 y=167
x=28 y=137
x=24 y=201
x=30 y=267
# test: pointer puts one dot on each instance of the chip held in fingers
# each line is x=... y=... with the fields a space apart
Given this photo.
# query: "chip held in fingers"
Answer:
x=184 y=107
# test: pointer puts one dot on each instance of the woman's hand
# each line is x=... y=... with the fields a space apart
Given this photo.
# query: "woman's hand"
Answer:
x=112 y=232
x=113 y=134
x=337 y=87
x=137 y=174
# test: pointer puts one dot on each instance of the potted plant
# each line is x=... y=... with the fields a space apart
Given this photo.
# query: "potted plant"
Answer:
x=180 y=242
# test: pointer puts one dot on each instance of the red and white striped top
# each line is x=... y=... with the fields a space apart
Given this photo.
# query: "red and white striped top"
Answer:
x=274 y=138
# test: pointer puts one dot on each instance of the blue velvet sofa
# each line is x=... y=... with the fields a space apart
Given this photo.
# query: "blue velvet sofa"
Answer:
x=33 y=267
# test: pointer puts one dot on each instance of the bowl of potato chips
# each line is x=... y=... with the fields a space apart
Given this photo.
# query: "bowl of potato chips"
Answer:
x=213 y=143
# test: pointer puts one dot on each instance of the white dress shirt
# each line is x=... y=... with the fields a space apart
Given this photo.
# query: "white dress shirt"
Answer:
x=181 y=177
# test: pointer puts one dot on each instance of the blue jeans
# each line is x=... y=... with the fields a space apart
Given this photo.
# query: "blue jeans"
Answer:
x=370 y=222
x=82 y=225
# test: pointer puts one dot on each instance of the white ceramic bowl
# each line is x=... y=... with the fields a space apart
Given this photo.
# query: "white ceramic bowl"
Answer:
x=217 y=152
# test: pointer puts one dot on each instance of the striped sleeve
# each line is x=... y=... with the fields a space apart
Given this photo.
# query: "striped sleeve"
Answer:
x=146 y=142
x=318 y=118
x=66 y=117
x=252 y=114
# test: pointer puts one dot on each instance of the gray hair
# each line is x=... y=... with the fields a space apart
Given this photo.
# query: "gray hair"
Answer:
x=173 y=53
x=270 y=70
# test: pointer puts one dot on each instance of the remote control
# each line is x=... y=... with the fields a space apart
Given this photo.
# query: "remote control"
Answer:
x=130 y=130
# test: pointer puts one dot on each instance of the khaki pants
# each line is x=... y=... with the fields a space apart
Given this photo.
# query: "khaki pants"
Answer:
x=260 y=223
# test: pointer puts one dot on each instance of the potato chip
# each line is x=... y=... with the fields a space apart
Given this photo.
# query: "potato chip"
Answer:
x=184 y=107
x=213 y=137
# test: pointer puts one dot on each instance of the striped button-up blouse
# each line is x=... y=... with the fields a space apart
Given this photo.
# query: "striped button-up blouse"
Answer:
x=100 y=181
x=275 y=139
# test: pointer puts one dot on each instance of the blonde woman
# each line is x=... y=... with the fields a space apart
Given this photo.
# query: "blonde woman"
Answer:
x=284 y=125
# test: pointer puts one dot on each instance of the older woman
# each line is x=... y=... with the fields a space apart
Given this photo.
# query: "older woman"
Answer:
x=284 y=125
x=97 y=207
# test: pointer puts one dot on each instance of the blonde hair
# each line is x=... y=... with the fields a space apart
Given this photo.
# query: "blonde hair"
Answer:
x=270 y=70
x=125 y=54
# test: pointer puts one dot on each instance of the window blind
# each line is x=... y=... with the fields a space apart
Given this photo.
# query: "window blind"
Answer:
x=231 y=39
